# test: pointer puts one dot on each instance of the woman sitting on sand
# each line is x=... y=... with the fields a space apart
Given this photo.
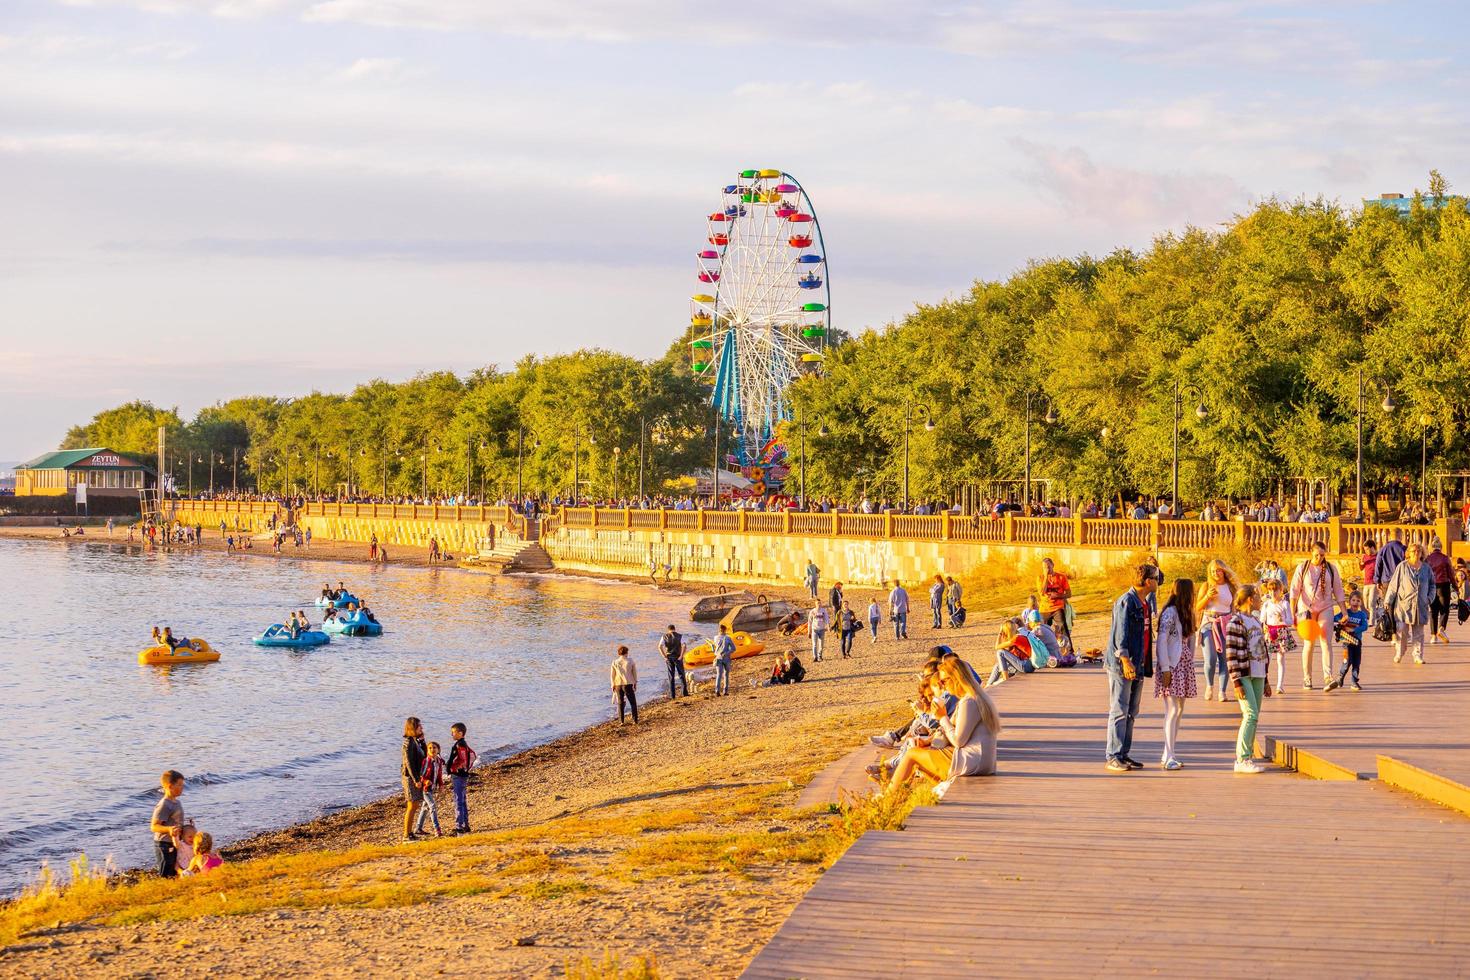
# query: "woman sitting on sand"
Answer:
x=970 y=731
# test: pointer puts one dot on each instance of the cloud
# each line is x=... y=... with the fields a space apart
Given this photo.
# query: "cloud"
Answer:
x=372 y=69
x=1123 y=196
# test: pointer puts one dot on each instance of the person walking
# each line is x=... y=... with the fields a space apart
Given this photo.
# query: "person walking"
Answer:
x=1368 y=562
x=671 y=645
x=875 y=616
x=415 y=751
x=623 y=674
x=1316 y=594
x=1407 y=598
x=1212 y=608
x=1128 y=659
x=898 y=609
x=1249 y=659
x=1389 y=555
x=1352 y=623
x=1174 y=664
x=724 y=651
x=813 y=574
x=1444 y=584
x=847 y=624
x=1055 y=590
x=936 y=601
x=834 y=596
x=816 y=623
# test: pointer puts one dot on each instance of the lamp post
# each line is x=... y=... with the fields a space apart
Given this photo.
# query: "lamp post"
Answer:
x=1202 y=412
x=1388 y=406
x=1424 y=462
x=576 y=463
x=716 y=472
x=1050 y=419
x=642 y=428
x=617 y=457
x=908 y=416
x=316 y=469
x=211 y=472
x=424 y=484
x=235 y=472
x=822 y=431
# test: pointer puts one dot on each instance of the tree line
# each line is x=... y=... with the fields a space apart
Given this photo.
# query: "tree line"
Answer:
x=1266 y=323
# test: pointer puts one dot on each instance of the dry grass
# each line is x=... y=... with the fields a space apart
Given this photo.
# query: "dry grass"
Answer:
x=613 y=967
x=721 y=823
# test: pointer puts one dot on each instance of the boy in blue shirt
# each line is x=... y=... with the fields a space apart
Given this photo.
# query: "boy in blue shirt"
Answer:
x=1351 y=624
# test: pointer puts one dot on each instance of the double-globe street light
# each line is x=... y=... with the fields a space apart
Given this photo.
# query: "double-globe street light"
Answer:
x=1201 y=412
x=1050 y=418
x=1387 y=406
x=908 y=416
x=823 y=431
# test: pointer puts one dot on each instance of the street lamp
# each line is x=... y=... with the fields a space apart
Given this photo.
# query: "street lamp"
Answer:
x=1202 y=412
x=822 y=431
x=908 y=415
x=1050 y=419
x=1388 y=406
x=424 y=486
x=1424 y=462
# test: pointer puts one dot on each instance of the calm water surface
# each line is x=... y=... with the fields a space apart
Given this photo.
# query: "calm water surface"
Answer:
x=270 y=737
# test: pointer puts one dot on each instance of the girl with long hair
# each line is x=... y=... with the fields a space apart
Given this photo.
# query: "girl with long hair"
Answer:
x=1212 y=610
x=971 y=731
x=1174 y=663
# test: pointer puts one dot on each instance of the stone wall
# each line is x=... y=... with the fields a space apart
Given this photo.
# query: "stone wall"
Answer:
x=460 y=537
x=781 y=559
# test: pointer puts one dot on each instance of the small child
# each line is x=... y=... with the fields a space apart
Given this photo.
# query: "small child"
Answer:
x=433 y=782
x=462 y=759
x=186 y=847
x=1031 y=615
x=1277 y=617
x=1351 y=624
x=875 y=616
x=205 y=859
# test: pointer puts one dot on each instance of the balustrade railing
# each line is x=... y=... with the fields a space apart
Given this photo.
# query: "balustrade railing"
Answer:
x=1152 y=535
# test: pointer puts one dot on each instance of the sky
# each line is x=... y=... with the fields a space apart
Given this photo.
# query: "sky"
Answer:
x=201 y=199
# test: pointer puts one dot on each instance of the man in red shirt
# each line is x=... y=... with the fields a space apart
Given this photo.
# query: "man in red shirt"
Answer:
x=1054 y=589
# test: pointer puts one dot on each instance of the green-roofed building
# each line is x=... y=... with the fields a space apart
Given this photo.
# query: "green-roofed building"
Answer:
x=102 y=471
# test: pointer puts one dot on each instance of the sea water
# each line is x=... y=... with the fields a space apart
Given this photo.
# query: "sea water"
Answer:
x=270 y=737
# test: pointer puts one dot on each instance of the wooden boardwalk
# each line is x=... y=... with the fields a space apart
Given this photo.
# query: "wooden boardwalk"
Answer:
x=1057 y=868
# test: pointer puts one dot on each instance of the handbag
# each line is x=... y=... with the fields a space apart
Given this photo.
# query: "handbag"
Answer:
x=1462 y=611
x=1384 y=631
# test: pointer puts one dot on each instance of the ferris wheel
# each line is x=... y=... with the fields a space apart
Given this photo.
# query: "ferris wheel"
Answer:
x=762 y=311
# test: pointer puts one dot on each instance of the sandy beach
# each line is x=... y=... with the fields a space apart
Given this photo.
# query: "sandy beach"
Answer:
x=675 y=840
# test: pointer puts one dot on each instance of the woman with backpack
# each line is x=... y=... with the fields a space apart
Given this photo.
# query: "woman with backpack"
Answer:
x=1406 y=598
x=1174 y=663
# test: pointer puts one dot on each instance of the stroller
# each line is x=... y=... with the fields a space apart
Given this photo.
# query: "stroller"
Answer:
x=957 y=617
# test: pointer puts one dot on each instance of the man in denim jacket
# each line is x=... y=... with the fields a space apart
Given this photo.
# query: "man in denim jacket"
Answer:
x=1129 y=659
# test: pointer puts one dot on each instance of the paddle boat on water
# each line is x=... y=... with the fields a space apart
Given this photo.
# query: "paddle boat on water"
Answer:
x=703 y=653
x=190 y=651
x=342 y=601
x=352 y=624
x=279 y=635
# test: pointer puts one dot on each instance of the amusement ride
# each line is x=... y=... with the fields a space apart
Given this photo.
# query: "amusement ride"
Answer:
x=762 y=314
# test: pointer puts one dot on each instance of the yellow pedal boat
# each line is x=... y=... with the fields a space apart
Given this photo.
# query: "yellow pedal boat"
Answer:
x=196 y=651
x=703 y=654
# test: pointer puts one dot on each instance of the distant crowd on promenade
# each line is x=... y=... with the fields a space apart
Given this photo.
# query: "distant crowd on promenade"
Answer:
x=1286 y=510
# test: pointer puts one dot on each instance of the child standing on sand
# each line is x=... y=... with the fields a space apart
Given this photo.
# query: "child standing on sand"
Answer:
x=462 y=759
x=167 y=823
x=433 y=782
x=875 y=616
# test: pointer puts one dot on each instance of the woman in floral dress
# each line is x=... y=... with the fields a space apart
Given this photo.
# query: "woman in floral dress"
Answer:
x=1174 y=663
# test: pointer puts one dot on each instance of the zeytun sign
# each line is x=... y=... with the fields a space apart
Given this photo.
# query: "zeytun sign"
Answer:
x=107 y=459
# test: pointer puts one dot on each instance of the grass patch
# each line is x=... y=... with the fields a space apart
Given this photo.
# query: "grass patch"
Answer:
x=613 y=967
x=710 y=821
